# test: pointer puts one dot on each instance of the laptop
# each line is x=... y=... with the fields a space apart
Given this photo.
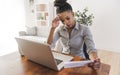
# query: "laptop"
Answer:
x=41 y=53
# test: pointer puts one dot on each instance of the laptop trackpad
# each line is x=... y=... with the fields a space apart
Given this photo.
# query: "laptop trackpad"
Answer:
x=58 y=61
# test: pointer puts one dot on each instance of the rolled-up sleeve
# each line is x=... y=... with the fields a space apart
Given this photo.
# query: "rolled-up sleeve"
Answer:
x=88 y=38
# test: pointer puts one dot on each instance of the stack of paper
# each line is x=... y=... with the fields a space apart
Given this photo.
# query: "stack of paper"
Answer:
x=76 y=63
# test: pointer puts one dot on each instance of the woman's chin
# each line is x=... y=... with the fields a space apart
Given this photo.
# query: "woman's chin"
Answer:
x=68 y=26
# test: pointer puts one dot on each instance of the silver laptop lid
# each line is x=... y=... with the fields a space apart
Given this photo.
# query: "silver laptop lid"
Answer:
x=37 y=52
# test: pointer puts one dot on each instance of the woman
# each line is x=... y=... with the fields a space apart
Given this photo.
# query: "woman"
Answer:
x=71 y=34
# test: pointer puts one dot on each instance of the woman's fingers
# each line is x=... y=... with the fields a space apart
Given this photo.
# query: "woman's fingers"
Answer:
x=55 y=22
x=96 y=64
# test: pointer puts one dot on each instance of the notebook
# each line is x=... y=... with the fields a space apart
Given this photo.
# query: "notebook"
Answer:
x=41 y=53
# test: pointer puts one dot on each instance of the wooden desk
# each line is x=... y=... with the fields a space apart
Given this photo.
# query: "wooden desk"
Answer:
x=14 y=64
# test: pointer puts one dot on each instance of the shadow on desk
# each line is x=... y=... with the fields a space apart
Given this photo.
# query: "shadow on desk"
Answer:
x=14 y=64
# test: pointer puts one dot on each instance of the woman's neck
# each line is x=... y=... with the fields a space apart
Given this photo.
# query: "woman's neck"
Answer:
x=70 y=29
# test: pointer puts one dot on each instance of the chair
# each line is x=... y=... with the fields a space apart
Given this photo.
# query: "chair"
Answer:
x=85 y=51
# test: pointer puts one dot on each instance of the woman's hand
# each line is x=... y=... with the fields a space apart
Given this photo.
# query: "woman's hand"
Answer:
x=96 y=61
x=55 y=22
x=95 y=64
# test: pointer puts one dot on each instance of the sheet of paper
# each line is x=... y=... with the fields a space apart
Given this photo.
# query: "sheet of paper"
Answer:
x=72 y=64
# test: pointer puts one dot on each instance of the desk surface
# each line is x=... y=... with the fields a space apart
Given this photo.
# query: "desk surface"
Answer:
x=14 y=64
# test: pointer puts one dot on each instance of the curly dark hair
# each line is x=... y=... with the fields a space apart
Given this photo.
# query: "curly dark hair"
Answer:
x=62 y=6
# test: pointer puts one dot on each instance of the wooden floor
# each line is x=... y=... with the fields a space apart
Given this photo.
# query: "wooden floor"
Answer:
x=111 y=58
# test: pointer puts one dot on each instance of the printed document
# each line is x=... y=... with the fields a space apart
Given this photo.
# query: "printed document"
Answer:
x=72 y=64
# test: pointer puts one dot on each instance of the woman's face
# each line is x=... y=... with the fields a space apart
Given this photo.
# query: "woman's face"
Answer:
x=67 y=18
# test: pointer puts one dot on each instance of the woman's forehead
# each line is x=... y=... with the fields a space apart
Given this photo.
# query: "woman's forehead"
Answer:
x=65 y=14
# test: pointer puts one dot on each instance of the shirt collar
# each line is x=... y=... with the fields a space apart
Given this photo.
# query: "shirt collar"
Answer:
x=76 y=25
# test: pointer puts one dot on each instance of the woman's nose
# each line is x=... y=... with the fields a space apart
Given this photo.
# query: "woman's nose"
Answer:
x=66 y=22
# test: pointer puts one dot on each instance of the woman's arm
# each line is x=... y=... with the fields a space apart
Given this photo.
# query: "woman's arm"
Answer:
x=93 y=55
x=55 y=23
x=91 y=48
x=50 y=37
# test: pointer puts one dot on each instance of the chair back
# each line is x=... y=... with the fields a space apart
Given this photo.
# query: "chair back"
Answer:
x=85 y=51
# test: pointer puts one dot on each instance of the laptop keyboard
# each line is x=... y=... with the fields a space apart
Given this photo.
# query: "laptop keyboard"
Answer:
x=58 y=61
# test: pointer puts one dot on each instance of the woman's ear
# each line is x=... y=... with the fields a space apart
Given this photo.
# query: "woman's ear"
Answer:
x=72 y=13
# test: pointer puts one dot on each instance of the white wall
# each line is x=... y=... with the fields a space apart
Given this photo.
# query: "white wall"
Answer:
x=106 y=25
x=12 y=20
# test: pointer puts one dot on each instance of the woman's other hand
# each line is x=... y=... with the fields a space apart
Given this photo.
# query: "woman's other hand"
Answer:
x=95 y=64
